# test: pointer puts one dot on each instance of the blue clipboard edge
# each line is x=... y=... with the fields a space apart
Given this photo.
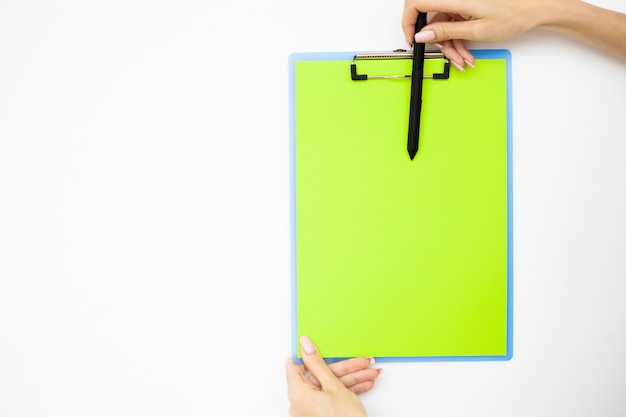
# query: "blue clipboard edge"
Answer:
x=331 y=56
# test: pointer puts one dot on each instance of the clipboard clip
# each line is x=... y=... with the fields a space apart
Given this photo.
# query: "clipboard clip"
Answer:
x=397 y=54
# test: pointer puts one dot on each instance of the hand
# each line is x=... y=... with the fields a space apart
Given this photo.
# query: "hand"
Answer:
x=484 y=20
x=496 y=20
x=323 y=393
x=455 y=20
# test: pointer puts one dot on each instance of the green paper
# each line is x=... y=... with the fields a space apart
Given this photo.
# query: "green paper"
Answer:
x=401 y=258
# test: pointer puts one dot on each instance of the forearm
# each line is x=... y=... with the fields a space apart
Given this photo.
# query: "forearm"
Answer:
x=602 y=28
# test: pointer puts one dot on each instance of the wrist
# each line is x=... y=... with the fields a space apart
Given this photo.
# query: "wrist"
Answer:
x=567 y=16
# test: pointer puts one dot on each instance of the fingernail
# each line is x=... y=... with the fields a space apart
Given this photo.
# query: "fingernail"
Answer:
x=425 y=36
x=469 y=64
x=372 y=361
x=307 y=345
x=460 y=68
x=437 y=45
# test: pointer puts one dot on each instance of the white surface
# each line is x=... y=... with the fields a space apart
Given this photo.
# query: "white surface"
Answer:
x=144 y=214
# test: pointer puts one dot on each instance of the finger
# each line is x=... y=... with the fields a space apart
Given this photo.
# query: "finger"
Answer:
x=360 y=377
x=448 y=30
x=349 y=366
x=353 y=378
x=314 y=362
x=363 y=387
x=346 y=367
x=449 y=50
x=446 y=17
x=409 y=17
x=294 y=372
x=468 y=58
x=458 y=17
x=457 y=53
x=439 y=17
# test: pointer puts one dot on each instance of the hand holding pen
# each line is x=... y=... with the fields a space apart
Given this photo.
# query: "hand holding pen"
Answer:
x=495 y=20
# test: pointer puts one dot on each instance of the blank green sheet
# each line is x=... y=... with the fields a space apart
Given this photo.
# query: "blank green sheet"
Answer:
x=393 y=258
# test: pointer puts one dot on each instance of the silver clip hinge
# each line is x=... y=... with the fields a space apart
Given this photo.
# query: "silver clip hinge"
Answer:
x=397 y=54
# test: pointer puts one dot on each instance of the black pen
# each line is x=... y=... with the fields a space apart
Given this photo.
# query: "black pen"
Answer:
x=417 y=76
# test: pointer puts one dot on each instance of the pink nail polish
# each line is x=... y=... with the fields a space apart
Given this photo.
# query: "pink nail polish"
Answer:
x=460 y=68
x=425 y=36
x=469 y=64
x=307 y=345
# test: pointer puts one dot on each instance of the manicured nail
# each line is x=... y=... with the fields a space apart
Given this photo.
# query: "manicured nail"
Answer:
x=437 y=45
x=460 y=68
x=307 y=346
x=372 y=361
x=469 y=64
x=425 y=36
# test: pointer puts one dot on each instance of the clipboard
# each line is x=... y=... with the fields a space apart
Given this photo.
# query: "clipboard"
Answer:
x=391 y=258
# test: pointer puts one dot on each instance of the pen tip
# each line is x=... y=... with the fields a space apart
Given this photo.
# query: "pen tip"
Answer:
x=412 y=154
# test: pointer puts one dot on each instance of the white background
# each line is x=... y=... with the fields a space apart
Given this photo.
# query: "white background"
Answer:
x=144 y=214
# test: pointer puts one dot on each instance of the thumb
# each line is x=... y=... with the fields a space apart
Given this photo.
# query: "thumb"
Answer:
x=314 y=362
x=443 y=31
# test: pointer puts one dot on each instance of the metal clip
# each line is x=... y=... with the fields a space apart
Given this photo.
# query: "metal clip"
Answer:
x=397 y=54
